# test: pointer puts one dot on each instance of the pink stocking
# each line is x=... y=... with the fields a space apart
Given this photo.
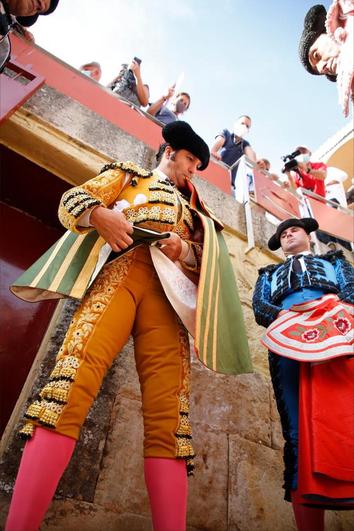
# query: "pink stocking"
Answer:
x=44 y=459
x=308 y=518
x=166 y=481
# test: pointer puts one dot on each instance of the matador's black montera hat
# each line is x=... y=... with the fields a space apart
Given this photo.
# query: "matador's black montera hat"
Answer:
x=180 y=135
x=308 y=224
x=30 y=20
x=314 y=26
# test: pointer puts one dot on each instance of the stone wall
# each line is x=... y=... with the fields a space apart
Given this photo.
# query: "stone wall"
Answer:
x=237 y=437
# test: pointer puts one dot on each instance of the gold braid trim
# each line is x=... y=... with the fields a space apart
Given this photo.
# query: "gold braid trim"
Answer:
x=129 y=167
x=157 y=213
x=27 y=431
x=54 y=395
x=45 y=412
x=184 y=448
x=161 y=196
x=57 y=391
x=73 y=204
x=65 y=368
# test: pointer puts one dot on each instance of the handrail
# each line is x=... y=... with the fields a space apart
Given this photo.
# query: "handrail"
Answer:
x=331 y=203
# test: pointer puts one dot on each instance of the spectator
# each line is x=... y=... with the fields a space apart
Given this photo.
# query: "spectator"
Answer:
x=350 y=196
x=334 y=185
x=229 y=147
x=17 y=13
x=180 y=104
x=263 y=166
x=309 y=175
x=326 y=46
x=92 y=70
x=129 y=84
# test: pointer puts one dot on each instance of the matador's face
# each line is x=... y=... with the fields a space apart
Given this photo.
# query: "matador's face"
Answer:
x=294 y=240
x=323 y=55
x=182 y=166
x=26 y=8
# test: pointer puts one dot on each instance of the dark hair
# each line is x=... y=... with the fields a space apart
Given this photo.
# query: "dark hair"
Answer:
x=185 y=94
x=93 y=63
x=303 y=150
x=266 y=161
x=160 y=152
x=245 y=116
x=350 y=196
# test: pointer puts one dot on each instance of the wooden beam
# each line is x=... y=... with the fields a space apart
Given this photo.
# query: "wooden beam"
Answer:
x=39 y=141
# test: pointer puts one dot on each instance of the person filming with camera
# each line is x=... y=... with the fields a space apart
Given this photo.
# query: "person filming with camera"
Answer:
x=302 y=173
x=129 y=84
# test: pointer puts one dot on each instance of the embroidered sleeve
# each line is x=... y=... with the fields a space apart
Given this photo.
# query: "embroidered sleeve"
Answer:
x=101 y=190
x=345 y=278
x=264 y=311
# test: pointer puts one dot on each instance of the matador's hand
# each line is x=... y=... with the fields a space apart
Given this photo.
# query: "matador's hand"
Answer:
x=171 y=247
x=113 y=227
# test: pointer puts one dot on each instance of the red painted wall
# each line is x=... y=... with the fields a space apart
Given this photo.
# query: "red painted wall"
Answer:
x=29 y=225
x=22 y=324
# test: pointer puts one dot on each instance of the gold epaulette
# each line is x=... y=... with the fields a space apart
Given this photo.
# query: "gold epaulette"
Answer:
x=129 y=167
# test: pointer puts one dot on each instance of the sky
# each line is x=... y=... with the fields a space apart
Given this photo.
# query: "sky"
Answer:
x=237 y=56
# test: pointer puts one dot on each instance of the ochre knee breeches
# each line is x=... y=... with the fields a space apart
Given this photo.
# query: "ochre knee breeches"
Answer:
x=126 y=298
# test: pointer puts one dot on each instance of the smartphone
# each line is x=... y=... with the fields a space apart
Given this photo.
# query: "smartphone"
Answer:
x=137 y=60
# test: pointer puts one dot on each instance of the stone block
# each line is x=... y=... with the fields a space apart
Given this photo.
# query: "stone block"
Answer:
x=231 y=404
x=121 y=486
x=79 y=516
x=207 y=501
x=339 y=520
x=255 y=493
x=82 y=124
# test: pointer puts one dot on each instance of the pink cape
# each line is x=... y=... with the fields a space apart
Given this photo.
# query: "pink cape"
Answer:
x=314 y=331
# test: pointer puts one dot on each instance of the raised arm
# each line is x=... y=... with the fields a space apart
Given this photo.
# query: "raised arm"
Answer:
x=155 y=107
x=250 y=153
x=141 y=89
x=220 y=140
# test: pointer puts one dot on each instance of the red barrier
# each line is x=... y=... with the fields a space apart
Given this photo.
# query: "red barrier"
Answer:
x=16 y=85
x=332 y=220
x=279 y=202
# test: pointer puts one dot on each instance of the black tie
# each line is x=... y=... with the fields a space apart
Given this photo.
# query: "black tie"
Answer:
x=296 y=264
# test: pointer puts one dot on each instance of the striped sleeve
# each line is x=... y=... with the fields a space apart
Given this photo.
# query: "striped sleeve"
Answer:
x=101 y=190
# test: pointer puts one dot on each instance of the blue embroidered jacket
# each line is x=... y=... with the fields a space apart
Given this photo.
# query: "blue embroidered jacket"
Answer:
x=328 y=273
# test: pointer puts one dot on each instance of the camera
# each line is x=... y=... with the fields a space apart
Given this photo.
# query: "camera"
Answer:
x=125 y=79
x=129 y=76
x=290 y=161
